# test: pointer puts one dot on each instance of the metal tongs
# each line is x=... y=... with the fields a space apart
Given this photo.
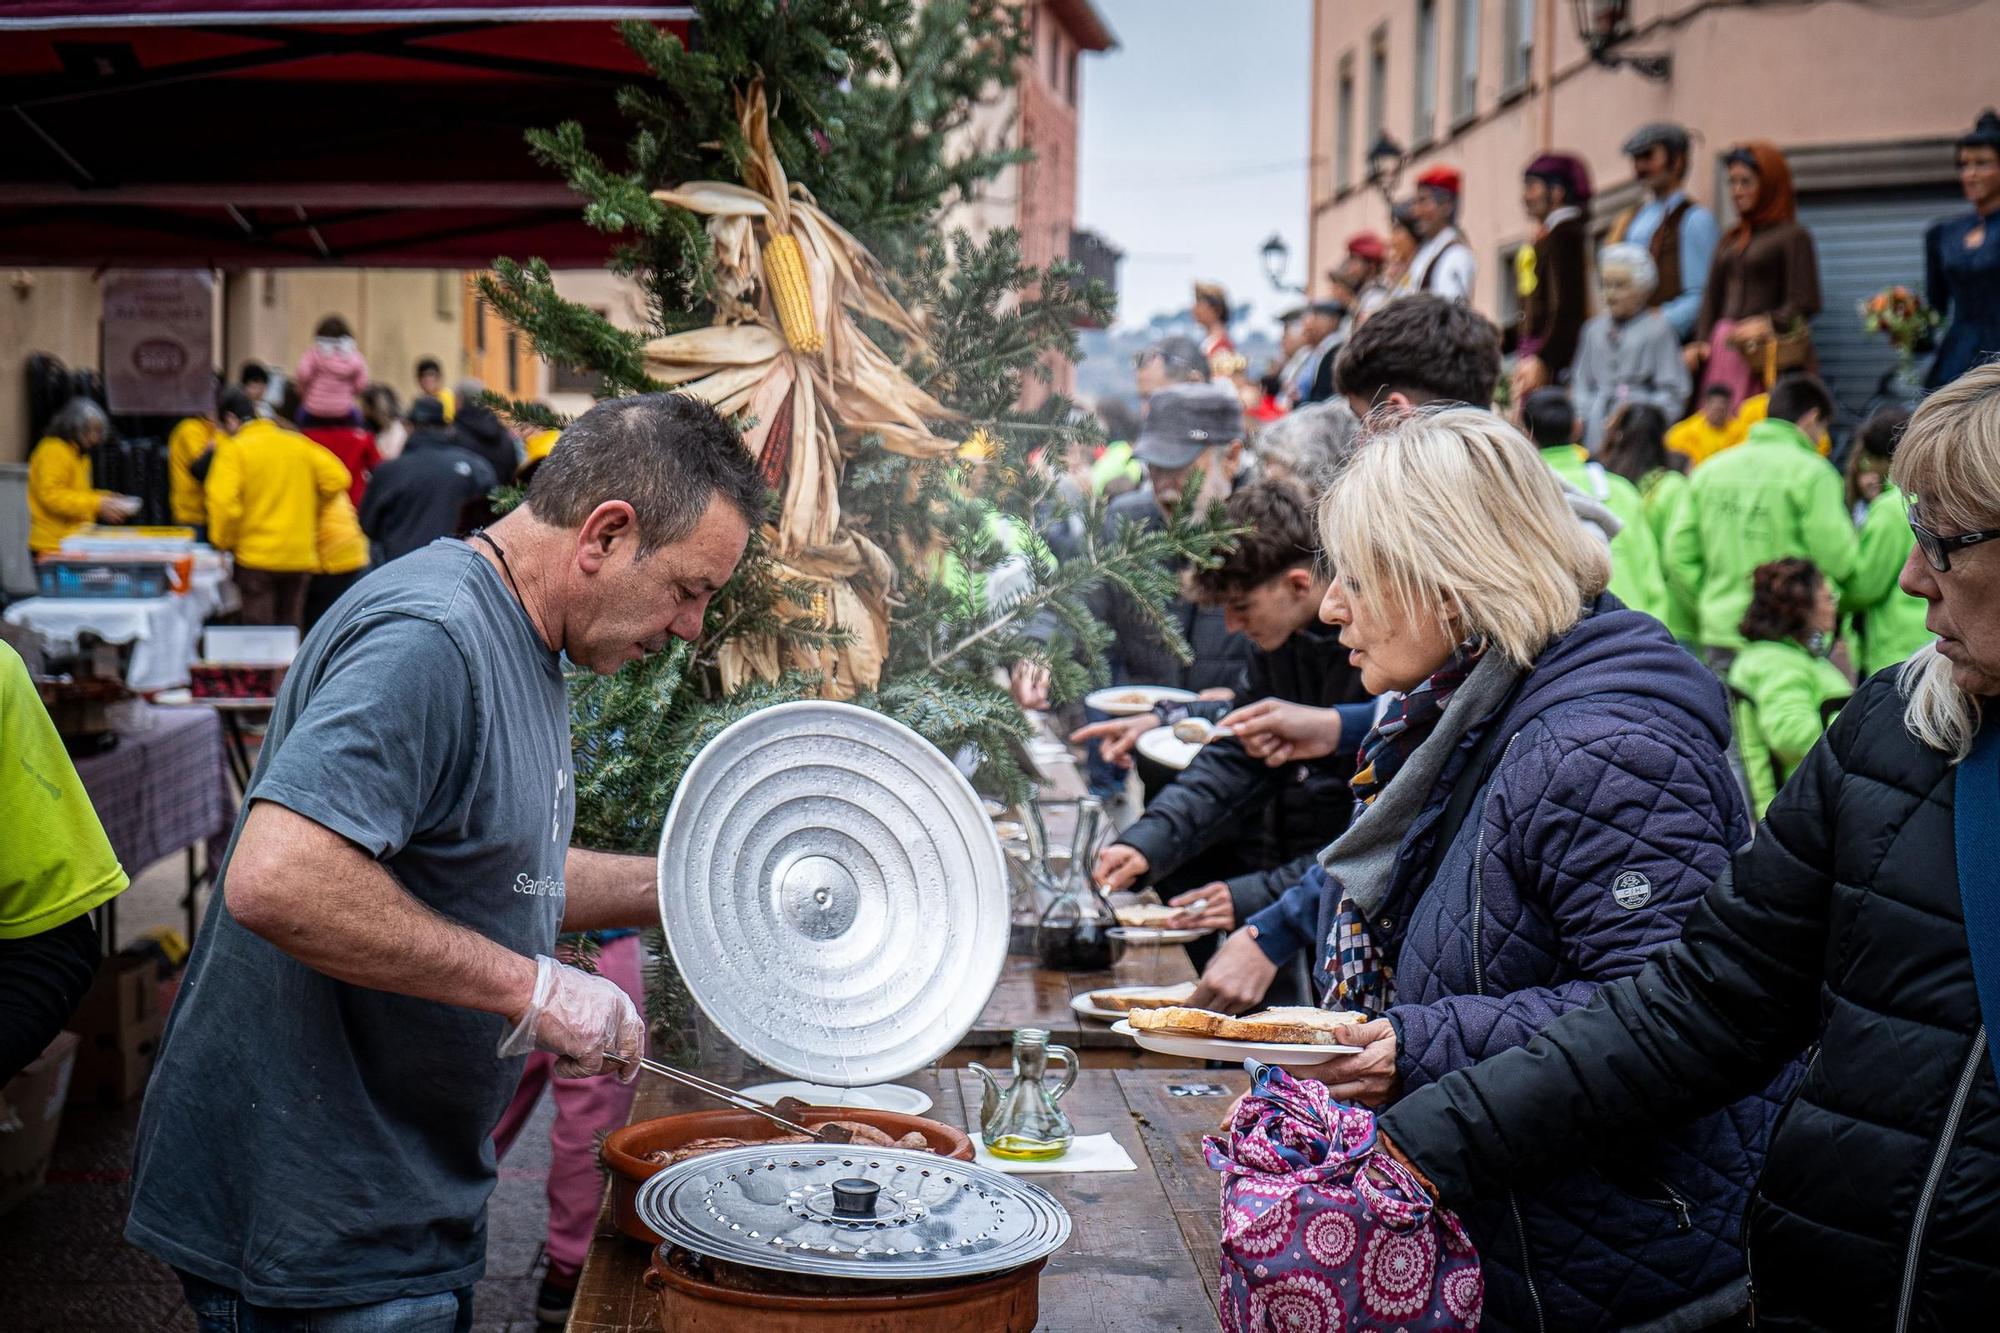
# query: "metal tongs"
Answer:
x=787 y=1106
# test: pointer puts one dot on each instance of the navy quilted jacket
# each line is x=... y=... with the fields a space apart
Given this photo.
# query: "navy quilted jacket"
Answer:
x=1609 y=811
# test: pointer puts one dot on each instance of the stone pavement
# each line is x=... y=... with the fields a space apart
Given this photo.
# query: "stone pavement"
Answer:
x=63 y=1262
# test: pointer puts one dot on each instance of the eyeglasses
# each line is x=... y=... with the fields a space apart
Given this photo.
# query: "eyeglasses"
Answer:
x=1937 y=549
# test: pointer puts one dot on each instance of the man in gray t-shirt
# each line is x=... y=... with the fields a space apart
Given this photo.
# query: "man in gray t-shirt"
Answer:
x=316 y=1136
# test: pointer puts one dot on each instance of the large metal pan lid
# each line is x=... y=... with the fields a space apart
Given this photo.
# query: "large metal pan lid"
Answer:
x=833 y=893
x=852 y=1212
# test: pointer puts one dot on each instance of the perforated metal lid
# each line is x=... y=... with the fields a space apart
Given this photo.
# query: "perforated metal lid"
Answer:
x=833 y=893
x=841 y=1211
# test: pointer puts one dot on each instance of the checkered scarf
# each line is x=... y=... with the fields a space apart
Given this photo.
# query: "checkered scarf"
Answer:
x=1363 y=979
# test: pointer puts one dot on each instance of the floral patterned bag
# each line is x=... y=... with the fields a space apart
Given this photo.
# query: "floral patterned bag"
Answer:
x=1323 y=1234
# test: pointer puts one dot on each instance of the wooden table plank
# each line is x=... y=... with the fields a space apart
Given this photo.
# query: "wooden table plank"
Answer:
x=1172 y=1127
x=1126 y=1265
x=1029 y=995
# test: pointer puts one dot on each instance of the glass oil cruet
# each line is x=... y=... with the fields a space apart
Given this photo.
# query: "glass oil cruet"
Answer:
x=1024 y=1123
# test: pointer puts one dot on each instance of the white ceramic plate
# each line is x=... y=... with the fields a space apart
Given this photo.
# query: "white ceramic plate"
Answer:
x=1082 y=1005
x=1131 y=700
x=1166 y=749
x=879 y=1096
x=1145 y=935
x=1214 y=1048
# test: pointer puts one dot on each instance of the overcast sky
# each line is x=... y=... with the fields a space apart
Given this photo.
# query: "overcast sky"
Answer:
x=1194 y=146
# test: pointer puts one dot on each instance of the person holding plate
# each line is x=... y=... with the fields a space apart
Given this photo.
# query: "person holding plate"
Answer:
x=1546 y=798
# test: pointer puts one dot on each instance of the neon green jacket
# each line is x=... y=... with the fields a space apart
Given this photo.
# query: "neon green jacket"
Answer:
x=1770 y=497
x=1665 y=493
x=1116 y=461
x=1781 y=687
x=1635 y=554
x=1888 y=622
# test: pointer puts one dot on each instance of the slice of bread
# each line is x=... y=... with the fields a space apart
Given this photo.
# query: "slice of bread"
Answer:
x=1297 y=1025
x=1124 y=1002
x=1178 y=1021
x=1146 y=915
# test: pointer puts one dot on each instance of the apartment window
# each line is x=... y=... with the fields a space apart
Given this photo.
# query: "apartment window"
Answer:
x=1465 y=62
x=1519 y=67
x=1378 y=83
x=1426 y=72
x=513 y=362
x=1069 y=77
x=1343 y=126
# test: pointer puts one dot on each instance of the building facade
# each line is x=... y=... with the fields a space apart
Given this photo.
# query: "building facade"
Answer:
x=1039 y=114
x=1865 y=100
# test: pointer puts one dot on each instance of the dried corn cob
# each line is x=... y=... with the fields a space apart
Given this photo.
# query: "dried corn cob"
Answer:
x=791 y=296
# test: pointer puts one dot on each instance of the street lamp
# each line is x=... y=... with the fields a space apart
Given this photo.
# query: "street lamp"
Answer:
x=1385 y=166
x=1602 y=25
x=1277 y=258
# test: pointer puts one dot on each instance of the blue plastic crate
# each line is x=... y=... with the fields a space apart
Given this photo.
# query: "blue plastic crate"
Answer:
x=61 y=577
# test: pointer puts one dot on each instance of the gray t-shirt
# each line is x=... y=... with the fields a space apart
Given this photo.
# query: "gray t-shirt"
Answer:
x=312 y=1143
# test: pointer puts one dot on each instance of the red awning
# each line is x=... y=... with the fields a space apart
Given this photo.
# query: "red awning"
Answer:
x=265 y=133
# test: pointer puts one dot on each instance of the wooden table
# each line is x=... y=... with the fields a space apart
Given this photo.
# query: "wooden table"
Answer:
x=1142 y=1254
x=1032 y=996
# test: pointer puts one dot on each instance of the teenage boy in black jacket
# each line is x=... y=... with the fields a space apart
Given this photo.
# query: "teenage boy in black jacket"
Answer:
x=1272 y=818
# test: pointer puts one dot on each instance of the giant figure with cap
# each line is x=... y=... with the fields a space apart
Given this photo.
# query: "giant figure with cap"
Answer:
x=1552 y=275
x=1444 y=264
x=1676 y=231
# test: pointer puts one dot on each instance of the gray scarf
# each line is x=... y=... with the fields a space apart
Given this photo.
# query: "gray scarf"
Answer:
x=1359 y=862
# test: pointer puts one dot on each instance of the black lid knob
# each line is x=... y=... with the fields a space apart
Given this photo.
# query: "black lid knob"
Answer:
x=854 y=1197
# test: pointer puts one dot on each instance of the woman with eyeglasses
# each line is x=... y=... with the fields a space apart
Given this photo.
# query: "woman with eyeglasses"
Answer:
x=1763 y=285
x=1861 y=927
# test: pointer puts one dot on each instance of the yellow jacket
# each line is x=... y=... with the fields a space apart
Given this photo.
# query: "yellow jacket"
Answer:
x=264 y=496
x=190 y=440
x=342 y=547
x=60 y=496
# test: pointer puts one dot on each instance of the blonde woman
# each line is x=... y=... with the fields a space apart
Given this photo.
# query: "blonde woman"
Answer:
x=1547 y=799
x=1861 y=924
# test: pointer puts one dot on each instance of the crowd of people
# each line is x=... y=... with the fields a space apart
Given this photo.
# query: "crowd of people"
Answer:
x=1614 y=754
x=307 y=494
x=1526 y=632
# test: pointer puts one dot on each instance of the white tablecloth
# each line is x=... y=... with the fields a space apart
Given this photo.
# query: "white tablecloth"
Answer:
x=164 y=631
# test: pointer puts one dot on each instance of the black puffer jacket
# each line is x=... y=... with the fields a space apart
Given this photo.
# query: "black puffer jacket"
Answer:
x=1840 y=929
x=1226 y=794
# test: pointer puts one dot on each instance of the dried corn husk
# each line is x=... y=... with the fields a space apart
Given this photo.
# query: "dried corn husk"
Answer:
x=848 y=390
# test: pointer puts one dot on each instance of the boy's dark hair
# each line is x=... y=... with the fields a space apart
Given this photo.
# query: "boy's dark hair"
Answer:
x=429 y=366
x=1280 y=534
x=253 y=372
x=333 y=326
x=1717 y=391
x=1120 y=422
x=1549 y=418
x=1796 y=395
x=1635 y=443
x=1424 y=347
x=1781 y=600
x=665 y=454
x=1883 y=431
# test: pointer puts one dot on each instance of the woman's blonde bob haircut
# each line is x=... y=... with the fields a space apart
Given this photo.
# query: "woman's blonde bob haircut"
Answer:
x=1949 y=465
x=1450 y=514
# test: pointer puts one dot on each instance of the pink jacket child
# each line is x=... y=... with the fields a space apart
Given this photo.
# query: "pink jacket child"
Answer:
x=331 y=375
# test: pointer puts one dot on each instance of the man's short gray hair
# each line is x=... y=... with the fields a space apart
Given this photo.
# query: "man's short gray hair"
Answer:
x=667 y=455
x=1635 y=261
x=1310 y=444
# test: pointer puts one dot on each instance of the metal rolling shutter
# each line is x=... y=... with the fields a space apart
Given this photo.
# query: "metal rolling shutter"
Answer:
x=1867 y=240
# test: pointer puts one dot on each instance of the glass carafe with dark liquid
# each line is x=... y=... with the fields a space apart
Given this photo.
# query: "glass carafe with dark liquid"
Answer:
x=1023 y=1122
x=1071 y=936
